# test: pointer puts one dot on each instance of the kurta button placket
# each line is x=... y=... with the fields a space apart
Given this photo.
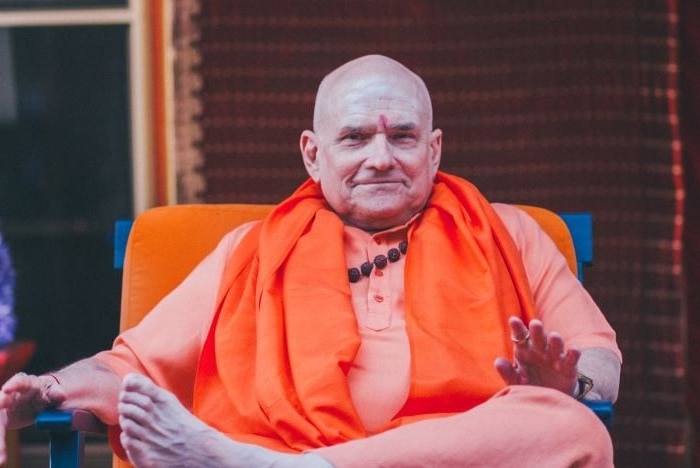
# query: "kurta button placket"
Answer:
x=375 y=271
x=378 y=293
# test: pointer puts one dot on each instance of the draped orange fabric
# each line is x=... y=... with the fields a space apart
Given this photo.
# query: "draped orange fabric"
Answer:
x=273 y=368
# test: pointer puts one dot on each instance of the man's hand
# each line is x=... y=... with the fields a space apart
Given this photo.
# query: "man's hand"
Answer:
x=21 y=398
x=539 y=358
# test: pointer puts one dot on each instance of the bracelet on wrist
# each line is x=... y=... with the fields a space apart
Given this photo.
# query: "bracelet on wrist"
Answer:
x=53 y=376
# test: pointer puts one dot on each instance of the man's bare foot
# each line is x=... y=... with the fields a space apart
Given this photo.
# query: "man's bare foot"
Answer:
x=158 y=431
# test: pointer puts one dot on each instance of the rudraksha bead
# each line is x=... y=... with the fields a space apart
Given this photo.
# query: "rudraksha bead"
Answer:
x=380 y=261
x=394 y=255
x=354 y=275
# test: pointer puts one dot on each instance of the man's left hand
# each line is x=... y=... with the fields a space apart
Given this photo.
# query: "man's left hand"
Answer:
x=539 y=358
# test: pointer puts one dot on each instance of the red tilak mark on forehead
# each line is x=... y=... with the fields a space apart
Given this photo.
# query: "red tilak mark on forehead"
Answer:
x=383 y=121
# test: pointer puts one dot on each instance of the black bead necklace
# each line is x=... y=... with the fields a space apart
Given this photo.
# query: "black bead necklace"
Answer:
x=380 y=261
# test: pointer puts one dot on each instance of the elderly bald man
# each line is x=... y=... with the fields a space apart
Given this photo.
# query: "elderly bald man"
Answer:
x=385 y=314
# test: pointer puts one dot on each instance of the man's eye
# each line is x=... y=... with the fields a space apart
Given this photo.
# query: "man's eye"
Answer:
x=355 y=137
x=403 y=137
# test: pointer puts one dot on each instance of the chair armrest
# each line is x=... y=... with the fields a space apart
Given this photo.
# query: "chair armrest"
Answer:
x=76 y=420
x=67 y=429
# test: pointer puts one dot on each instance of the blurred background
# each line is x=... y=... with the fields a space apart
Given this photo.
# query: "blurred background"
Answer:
x=108 y=108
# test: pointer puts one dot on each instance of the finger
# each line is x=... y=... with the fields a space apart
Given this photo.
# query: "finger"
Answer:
x=5 y=400
x=17 y=383
x=555 y=346
x=21 y=388
x=506 y=370
x=537 y=335
x=519 y=333
x=570 y=361
x=517 y=327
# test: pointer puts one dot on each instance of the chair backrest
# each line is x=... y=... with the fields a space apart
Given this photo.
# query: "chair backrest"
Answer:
x=557 y=229
x=166 y=243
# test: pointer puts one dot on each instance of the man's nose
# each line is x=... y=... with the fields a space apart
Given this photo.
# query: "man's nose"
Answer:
x=381 y=155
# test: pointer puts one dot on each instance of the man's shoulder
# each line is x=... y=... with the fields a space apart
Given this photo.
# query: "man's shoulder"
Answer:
x=233 y=238
x=520 y=225
x=512 y=216
x=505 y=209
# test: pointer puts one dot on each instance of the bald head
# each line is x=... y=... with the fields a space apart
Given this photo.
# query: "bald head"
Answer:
x=374 y=74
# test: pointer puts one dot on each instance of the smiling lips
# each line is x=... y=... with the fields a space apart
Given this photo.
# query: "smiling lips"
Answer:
x=378 y=182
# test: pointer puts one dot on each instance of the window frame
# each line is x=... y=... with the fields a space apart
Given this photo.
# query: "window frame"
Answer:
x=152 y=178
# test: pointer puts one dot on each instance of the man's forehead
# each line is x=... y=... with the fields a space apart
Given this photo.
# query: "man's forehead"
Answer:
x=379 y=120
x=371 y=83
x=379 y=89
x=368 y=106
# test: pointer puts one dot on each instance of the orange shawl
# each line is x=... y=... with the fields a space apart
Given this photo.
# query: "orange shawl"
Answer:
x=273 y=368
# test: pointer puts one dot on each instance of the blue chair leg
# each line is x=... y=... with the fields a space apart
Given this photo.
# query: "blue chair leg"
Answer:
x=66 y=449
x=67 y=429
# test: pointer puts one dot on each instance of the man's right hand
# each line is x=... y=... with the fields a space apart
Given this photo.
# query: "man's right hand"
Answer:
x=21 y=398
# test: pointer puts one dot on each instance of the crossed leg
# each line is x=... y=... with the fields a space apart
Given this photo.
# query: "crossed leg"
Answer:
x=520 y=426
x=158 y=431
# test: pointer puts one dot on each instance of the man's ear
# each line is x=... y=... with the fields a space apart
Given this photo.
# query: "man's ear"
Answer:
x=309 y=153
x=435 y=149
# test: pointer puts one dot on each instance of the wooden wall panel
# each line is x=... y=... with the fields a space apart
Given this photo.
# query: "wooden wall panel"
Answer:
x=566 y=104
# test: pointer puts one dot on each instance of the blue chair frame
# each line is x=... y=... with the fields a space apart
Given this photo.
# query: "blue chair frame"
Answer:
x=67 y=430
x=581 y=229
